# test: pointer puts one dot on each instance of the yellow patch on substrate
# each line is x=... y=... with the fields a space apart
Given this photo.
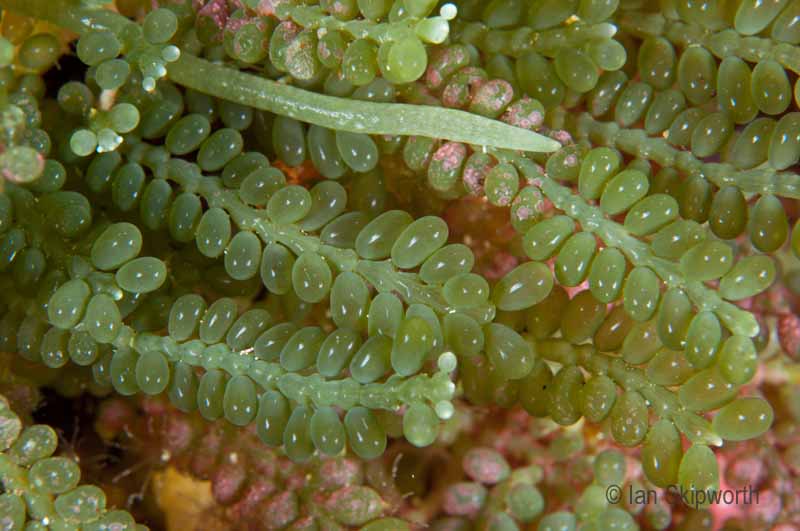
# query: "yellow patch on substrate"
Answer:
x=184 y=500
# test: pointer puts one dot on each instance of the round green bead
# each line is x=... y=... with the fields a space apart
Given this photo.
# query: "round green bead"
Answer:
x=336 y=352
x=247 y=328
x=525 y=502
x=213 y=232
x=698 y=475
x=509 y=353
x=501 y=184
x=533 y=396
x=297 y=441
x=154 y=207
x=403 y=61
x=359 y=62
x=261 y=184
x=217 y=319
x=276 y=268
x=538 y=79
x=707 y=390
x=656 y=62
x=733 y=90
x=39 y=52
x=545 y=238
x=750 y=276
x=210 y=394
x=54 y=475
x=563 y=396
x=240 y=401
x=641 y=293
x=102 y=319
x=385 y=314
x=82 y=504
x=122 y=372
x=366 y=436
x=357 y=150
x=574 y=259
x=744 y=418
x=116 y=245
x=623 y=191
x=83 y=349
x=183 y=387
x=606 y=274
x=708 y=260
x=703 y=339
x=629 y=419
x=576 y=69
x=558 y=521
x=661 y=454
x=615 y=328
x=753 y=17
x=695 y=198
x=597 y=167
x=769 y=226
x=597 y=398
x=751 y=147
x=728 y=213
x=609 y=468
x=53 y=348
x=327 y=431
x=523 y=286
x=349 y=301
x=185 y=315
x=738 y=360
x=633 y=103
x=650 y=214
x=187 y=134
x=289 y=204
x=66 y=306
x=466 y=290
x=674 y=316
x=300 y=351
x=420 y=425
x=372 y=360
x=784 y=147
x=711 y=134
x=770 y=87
x=641 y=343
x=446 y=263
x=152 y=372
x=219 y=149
x=324 y=152
x=273 y=414
x=413 y=341
x=784 y=27
x=582 y=316
x=142 y=275
x=243 y=255
x=697 y=74
x=663 y=110
x=418 y=241
x=311 y=277
x=462 y=334
x=184 y=216
x=668 y=368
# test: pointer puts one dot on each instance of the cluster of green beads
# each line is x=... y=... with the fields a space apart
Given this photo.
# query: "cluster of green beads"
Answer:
x=44 y=489
x=166 y=246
